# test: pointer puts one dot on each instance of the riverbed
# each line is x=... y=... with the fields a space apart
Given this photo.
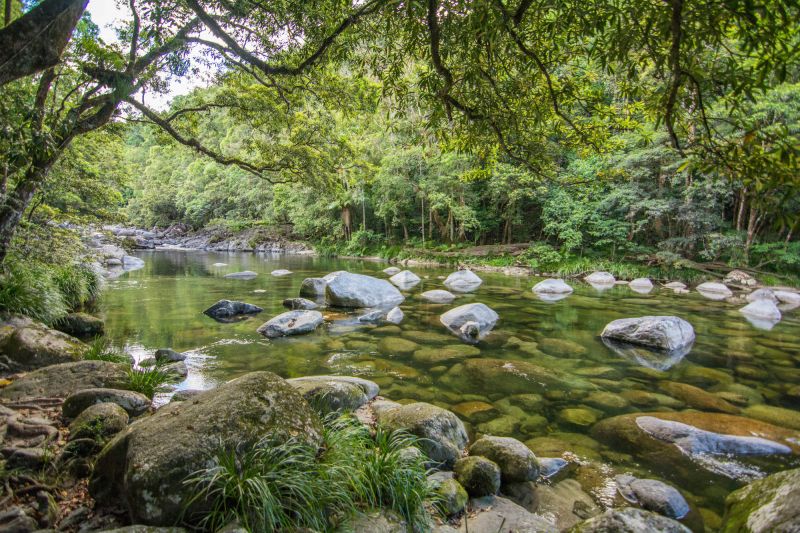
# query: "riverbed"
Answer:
x=582 y=380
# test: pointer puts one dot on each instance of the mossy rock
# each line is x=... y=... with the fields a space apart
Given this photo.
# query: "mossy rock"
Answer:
x=697 y=398
x=479 y=476
x=396 y=346
x=81 y=325
x=787 y=418
x=475 y=411
x=134 y=403
x=562 y=348
x=451 y=498
x=769 y=504
x=143 y=469
x=99 y=422
x=516 y=461
x=339 y=394
x=30 y=345
x=62 y=380
x=512 y=377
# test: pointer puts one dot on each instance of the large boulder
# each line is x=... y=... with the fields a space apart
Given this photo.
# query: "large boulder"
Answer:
x=470 y=322
x=335 y=393
x=345 y=289
x=516 y=462
x=291 y=323
x=60 y=381
x=228 y=309
x=492 y=514
x=134 y=403
x=769 y=504
x=28 y=345
x=443 y=436
x=313 y=287
x=168 y=355
x=300 y=303
x=762 y=294
x=81 y=325
x=667 y=333
x=463 y=281
x=630 y=520
x=552 y=286
x=144 y=468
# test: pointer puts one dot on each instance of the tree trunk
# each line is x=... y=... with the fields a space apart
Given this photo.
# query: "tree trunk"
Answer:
x=751 y=232
x=740 y=214
x=347 y=222
x=16 y=202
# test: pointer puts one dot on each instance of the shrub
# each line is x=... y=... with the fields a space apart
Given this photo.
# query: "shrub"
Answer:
x=287 y=484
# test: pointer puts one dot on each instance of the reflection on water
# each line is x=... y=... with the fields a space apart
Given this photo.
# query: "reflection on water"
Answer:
x=543 y=375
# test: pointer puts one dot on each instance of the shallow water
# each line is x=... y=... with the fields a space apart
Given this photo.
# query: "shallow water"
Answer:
x=576 y=379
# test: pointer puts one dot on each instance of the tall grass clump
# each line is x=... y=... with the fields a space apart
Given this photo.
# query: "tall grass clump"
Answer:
x=29 y=290
x=101 y=349
x=146 y=380
x=288 y=484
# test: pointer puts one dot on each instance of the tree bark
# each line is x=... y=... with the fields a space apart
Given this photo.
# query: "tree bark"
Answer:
x=16 y=202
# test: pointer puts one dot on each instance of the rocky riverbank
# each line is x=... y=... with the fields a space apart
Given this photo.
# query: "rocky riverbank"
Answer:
x=179 y=236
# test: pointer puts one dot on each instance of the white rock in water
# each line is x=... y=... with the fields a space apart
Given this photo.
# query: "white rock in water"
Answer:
x=641 y=285
x=675 y=285
x=391 y=271
x=291 y=323
x=792 y=299
x=130 y=262
x=346 y=289
x=405 y=279
x=600 y=278
x=765 y=309
x=395 y=316
x=219 y=265
x=313 y=287
x=246 y=274
x=714 y=290
x=471 y=322
x=762 y=294
x=552 y=286
x=438 y=296
x=281 y=272
x=668 y=333
x=463 y=281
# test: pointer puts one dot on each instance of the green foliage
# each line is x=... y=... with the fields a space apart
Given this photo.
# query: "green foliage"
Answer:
x=281 y=484
x=29 y=290
x=146 y=380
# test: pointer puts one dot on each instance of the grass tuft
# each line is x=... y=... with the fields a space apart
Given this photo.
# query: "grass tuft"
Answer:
x=146 y=380
x=101 y=349
x=287 y=484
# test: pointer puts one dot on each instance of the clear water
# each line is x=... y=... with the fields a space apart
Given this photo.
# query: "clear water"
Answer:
x=161 y=306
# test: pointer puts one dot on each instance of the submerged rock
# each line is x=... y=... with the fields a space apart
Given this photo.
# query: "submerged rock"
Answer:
x=463 y=281
x=512 y=377
x=29 y=345
x=675 y=285
x=443 y=436
x=653 y=495
x=329 y=394
x=641 y=285
x=630 y=520
x=391 y=271
x=281 y=272
x=667 y=333
x=769 y=504
x=291 y=323
x=246 y=274
x=697 y=398
x=438 y=296
x=346 y=289
x=299 y=303
x=313 y=287
x=62 y=380
x=227 y=309
x=516 y=462
x=470 y=322
x=144 y=468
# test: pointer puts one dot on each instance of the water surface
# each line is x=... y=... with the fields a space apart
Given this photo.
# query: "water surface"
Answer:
x=582 y=380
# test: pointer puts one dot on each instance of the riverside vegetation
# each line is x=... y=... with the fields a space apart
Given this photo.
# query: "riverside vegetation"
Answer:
x=157 y=375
